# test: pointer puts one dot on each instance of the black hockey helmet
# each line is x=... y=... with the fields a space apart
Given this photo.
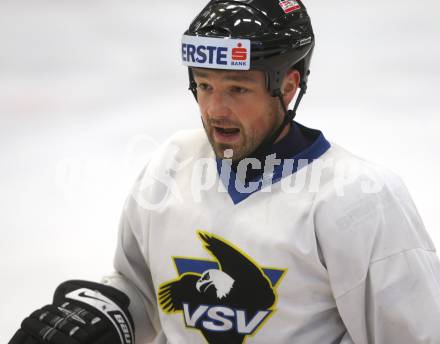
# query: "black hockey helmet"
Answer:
x=280 y=33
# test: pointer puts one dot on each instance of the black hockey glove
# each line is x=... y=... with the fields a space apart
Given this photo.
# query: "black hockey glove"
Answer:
x=82 y=313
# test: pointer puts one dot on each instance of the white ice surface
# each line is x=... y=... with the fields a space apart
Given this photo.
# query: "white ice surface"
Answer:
x=88 y=87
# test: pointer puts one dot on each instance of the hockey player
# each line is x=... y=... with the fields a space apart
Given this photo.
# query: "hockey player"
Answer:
x=216 y=246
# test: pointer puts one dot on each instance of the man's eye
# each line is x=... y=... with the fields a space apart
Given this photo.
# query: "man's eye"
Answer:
x=203 y=87
x=239 y=90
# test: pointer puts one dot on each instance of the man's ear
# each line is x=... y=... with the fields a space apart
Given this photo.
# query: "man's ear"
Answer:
x=290 y=85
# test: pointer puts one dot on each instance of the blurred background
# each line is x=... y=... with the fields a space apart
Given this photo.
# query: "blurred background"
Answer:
x=88 y=89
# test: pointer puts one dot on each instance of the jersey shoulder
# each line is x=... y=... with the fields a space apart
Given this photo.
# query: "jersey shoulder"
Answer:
x=170 y=163
x=363 y=214
x=341 y=168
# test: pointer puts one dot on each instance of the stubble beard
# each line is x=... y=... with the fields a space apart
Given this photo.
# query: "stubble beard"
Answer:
x=249 y=142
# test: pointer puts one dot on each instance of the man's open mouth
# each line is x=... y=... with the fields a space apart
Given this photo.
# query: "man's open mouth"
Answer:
x=227 y=131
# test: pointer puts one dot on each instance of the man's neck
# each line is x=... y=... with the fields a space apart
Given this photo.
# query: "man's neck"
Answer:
x=289 y=143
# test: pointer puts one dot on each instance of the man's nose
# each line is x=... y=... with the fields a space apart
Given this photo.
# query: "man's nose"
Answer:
x=218 y=105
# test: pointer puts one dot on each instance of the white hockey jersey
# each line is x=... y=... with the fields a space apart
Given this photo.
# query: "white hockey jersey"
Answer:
x=325 y=249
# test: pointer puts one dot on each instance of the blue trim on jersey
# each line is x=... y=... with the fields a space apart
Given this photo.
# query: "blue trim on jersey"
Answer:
x=230 y=180
x=198 y=266
x=188 y=265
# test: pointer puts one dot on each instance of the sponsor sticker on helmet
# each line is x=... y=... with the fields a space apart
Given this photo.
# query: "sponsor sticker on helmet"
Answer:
x=289 y=6
x=217 y=53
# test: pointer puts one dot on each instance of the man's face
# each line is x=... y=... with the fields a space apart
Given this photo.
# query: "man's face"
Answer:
x=237 y=110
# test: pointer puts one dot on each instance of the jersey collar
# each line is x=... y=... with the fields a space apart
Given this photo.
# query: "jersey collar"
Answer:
x=301 y=143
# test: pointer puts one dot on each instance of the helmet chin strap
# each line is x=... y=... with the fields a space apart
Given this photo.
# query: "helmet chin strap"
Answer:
x=263 y=149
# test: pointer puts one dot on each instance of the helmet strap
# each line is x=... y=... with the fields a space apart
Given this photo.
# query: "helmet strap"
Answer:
x=264 y=148
x=192 y=84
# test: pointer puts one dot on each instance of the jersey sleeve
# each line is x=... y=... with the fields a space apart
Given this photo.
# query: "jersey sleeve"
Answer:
x=132 y=266
x=397 y=303
x=132 y=273
x=382 y=265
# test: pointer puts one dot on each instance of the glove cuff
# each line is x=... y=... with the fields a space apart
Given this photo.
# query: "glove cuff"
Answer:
x=109 y=301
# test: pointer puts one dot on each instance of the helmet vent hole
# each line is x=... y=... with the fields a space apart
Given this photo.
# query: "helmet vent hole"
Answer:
x=214 y=31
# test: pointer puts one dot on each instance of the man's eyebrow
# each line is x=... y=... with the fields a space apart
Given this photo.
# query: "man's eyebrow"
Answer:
x=228 y=76
x=239 y=77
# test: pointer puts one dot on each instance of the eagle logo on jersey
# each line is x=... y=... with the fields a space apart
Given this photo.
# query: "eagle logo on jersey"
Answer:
x=227 y=299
